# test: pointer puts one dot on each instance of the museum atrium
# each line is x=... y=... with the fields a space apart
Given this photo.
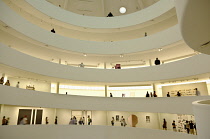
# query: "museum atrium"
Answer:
x=105 y=69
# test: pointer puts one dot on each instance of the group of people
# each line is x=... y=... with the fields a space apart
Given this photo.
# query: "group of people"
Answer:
x=151 y=94
x=189 y=126
x=73 y=121
x=5 y=121
x=122 y=121
x=7 y=83
x=165 y=125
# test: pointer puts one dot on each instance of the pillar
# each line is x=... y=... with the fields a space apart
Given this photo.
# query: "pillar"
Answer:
x=57 y=87
x=105 y=90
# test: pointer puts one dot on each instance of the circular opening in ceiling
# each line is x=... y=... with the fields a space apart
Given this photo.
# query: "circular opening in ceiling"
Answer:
x=122 y=10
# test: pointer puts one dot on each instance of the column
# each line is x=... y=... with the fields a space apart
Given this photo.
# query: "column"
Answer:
x=104 y=65
x=105 y=90
x=57 y=87
x=150 y=62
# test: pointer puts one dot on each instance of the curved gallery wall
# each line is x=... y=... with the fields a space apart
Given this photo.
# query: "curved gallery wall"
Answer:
x=183 y=68
x=14 y=96
x=201 y=110
x=144 y=15
x=167 y=37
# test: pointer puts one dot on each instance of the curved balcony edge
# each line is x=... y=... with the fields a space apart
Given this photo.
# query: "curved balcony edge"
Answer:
x=161 y=39
x=87 y=132
x=188 y=67
x=201 y=109
x=23 y=97
x=194 y=23
x=142 y=16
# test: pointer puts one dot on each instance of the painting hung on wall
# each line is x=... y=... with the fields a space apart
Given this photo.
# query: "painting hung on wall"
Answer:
x=147 y=119
x=117 y=117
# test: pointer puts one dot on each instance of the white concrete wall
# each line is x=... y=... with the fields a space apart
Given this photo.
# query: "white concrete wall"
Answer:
x=153 y=124
x=23 y=97
x=142 y=16
x=167 y=37
x=187 y=67
x=39 y=85
x=81 y=92
x=202 y=88
x=64 y=116
x=87 y=132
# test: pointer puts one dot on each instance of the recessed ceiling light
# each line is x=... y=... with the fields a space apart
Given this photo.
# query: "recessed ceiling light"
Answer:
x=122 y=10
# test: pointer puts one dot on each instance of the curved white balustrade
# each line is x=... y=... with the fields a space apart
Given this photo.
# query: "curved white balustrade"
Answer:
x=187 y=67
x=142 y=16
x=23 y=97
x=164 y=38
x=201 y=111
x=85 y=132
x=194 y=22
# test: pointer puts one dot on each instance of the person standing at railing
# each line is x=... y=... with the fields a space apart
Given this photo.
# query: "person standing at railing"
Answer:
x=89 y=120
x=168 y=95
x=147 y=95
x=2 y=80
x=112 y=121
x=4 y=120
x=164 y=124
x=18 y=84
x=81 y=65
x=187 y=126
x=191 y=127
x=157 y=61
x=7 y=83
x=174 y=126
x=154 y=94
x=179 y=94
x=121 y=121
x=197 y=93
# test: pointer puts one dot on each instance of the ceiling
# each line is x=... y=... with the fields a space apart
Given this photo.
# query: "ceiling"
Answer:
x=101 y=8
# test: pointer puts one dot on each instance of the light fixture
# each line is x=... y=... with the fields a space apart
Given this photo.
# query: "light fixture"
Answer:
x=160 y=49
x=122 y=10
x=84 y=54
x=121 y=55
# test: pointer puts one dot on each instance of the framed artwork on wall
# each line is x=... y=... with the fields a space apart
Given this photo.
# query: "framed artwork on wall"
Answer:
x=117 y=117
x=147 y=119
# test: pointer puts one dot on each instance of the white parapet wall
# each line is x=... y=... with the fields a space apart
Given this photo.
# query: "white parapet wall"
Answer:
x=183 y=68
x=201 y=111
x=194 y=20
x=23 y=97
x=86 y=132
